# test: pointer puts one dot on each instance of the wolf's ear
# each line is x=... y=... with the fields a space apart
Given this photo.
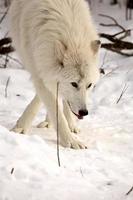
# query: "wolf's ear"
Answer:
x=60 y=49
x=95 y=45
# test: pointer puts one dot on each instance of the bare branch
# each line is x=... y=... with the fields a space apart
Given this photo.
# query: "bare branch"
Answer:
x=4 y=15
x=109 y=47
x=6 y=50
x=117 y=44
x=129 y=191
x=101 y=68
x=6 y=61
x=114 y=20
x=5 y=46
x=126 y=34
x=7 y=83
x=122 y=93
x=5 y=41
x=15 y=60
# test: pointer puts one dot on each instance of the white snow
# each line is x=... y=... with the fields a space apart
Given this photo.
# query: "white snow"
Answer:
x=28 y=163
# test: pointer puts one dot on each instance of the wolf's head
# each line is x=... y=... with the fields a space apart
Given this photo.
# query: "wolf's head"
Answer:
x=78 y=74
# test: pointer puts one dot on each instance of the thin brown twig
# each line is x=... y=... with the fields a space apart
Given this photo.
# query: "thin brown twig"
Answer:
x=115 y=50
x=4 y=15
x=6 y=61
x=81 y=171
x=15 y=60
x=7 y=83
x=57 y=118
x=122 y=93
x=102 y=65
x=131 y=190
x=114 y=20
x=6 y=34
x=12 y=170
x=125 y=32
x=104 y=58
x=109 y=17
x=122 y=53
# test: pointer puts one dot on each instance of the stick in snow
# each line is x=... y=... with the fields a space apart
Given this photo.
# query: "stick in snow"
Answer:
x=7 y=83
x=57 y=118
x=129 y=191
x=122 y=93
x=12 y=170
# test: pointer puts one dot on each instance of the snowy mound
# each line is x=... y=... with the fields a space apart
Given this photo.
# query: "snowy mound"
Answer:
x=28 y=163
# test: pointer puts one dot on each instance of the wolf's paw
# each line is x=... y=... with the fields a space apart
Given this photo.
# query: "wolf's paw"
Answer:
x=74 y=143
x=20 y=130
x=44 y=124
x=74 y=129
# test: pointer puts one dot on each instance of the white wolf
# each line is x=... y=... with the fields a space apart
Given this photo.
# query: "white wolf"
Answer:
x=58 y=43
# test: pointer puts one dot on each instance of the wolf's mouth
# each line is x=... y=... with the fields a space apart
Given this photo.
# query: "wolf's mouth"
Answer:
x=78 y=116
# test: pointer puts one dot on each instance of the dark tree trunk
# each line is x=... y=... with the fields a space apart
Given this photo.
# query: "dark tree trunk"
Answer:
x=129 y=7
x=130 y=4
x=113 y=2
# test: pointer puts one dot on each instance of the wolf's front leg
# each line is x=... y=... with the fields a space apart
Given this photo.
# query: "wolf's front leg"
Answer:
x=49 y=99
x=24 y=122
x=70 y=118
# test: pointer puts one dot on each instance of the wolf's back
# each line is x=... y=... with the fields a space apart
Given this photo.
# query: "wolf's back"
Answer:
x=37 y=24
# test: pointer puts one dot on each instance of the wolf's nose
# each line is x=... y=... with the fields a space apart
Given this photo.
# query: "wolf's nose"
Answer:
x=83 y=112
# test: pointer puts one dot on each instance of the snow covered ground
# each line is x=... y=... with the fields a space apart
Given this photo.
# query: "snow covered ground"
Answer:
x=28 y=163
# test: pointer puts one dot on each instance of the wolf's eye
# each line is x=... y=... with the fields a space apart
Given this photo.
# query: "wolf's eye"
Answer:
x=74 y=84
x=62 y=64
x=89 y=85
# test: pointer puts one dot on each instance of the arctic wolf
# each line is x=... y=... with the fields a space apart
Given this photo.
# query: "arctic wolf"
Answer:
x=58 y=44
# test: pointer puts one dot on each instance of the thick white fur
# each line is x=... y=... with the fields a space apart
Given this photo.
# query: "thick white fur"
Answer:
x=55 y=40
